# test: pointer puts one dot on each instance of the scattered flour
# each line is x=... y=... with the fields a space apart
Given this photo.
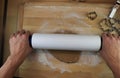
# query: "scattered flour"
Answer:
x=89 y=58
x=46 y=58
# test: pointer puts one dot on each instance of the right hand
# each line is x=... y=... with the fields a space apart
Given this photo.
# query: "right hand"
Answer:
x=111 y=52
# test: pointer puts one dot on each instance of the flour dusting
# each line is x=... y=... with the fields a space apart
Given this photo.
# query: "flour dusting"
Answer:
x=73 y=21
x=89 y=58
x=75 y=15
x=46 y=58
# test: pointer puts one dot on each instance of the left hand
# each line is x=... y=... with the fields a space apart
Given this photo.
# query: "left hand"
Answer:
x=19 y=44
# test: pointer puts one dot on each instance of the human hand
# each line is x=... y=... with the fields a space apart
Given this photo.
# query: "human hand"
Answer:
x=19 y=45
x=111 y=52
x=19 y=49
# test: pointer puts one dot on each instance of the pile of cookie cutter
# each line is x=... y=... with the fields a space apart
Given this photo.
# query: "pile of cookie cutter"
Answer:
x=111 y=24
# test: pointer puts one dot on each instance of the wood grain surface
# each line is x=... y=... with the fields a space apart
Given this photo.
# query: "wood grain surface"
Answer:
x=52 y=17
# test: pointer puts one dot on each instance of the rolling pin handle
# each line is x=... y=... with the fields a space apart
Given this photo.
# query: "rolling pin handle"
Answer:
x=30 y=41
x=101 y=44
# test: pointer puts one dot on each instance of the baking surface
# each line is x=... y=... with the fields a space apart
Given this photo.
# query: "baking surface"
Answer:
x=67 y=18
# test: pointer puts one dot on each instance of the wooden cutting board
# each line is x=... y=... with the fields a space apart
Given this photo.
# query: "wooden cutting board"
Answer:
x=62 y=17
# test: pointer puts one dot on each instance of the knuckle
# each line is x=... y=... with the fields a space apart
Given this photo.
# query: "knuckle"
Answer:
x=24 y=36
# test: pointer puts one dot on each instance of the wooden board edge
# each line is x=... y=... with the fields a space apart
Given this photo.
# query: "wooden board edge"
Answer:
x=19 y=25
x=20 y=17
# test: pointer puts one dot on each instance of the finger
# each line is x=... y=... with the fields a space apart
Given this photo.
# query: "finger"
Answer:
x=22 y=32
x=109 y=35
x=28 y=33
x=17 y=33
x=13 y=35
x=115 y=36
x=104 y=35
x=119 y=37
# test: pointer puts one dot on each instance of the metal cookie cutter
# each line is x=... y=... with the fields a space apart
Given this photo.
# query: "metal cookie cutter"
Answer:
x=114 y=9
x=92 y=15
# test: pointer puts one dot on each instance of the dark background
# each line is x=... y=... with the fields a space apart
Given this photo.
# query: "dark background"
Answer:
x=3 y=11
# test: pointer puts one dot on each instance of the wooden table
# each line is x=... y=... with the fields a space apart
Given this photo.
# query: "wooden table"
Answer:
x=67 y=18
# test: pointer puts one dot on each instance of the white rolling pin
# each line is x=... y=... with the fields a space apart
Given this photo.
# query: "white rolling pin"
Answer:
x=66 y=42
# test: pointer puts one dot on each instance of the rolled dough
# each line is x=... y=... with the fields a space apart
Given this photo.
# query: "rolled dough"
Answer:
x=66 y=56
